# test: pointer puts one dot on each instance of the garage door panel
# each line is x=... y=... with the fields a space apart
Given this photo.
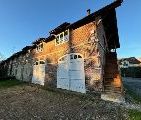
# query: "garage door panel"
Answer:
x=34 y=77
x=62 y=83
x=41 y=72
x=42 y=69
x=38 y=74
x=38 y=82
x=76 y=65
x=77 y=85
x=76 y=74
x=63 y=74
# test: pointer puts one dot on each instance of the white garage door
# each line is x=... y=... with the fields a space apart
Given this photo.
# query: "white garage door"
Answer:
x=41 y=70
x=63 y=73
x=70 y=73
x=39 y=73
x=35 y=74
x=77 y=76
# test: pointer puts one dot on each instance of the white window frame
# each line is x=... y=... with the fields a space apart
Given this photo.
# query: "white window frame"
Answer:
x=60 y=40
x=39 y=48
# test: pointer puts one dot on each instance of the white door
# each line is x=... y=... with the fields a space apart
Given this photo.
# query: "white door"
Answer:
x=39 y=73
x=63 y=73
x=35 y=74
x=70 y=73
x=77 y=75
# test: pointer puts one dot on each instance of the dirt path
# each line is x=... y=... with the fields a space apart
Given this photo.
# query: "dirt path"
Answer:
x=27 y=102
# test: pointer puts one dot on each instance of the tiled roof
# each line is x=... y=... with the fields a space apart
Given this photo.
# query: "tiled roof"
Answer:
x=131 y=60
x=60 y=28
x=38 y=40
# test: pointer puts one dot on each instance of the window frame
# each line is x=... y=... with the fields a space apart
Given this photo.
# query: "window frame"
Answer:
x=40 y=47
x=58 y=40
x=41 y=62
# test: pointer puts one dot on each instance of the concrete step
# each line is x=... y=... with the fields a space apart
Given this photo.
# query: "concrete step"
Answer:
x=110 y=92
x=112 y=88
x=108 y=82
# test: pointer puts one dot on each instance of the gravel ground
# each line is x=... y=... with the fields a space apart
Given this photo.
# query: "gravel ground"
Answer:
x=28 y=102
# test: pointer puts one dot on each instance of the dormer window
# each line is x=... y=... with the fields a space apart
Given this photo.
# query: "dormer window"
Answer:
x=62 y=37
x=39 y=47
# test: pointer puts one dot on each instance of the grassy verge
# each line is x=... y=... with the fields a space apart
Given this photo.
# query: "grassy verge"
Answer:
x=134 y=115
x=131 y=93
x=9 y=83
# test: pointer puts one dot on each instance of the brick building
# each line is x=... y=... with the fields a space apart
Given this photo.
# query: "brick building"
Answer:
x=79 y=56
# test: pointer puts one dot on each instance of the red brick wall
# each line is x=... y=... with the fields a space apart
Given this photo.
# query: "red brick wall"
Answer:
x=80 y=42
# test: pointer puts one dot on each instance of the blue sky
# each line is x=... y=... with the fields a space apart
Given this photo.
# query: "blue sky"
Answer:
x=24 y=21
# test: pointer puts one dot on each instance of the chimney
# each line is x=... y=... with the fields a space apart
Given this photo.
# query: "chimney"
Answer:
x=88 y=12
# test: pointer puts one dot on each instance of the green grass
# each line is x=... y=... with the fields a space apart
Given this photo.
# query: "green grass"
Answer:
x=9 y=83
x=131 y=93
x=134 y=115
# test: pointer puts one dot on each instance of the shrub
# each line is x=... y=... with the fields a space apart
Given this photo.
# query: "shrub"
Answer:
x=131 y=72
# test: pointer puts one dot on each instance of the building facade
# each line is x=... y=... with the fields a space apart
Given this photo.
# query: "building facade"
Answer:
x=79 y=57
x=129 y=62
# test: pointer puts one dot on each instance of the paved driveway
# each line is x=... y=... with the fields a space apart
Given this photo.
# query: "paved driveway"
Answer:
x=134 y=84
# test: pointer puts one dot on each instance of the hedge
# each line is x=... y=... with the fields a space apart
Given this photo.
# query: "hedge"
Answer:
x=131 y=72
